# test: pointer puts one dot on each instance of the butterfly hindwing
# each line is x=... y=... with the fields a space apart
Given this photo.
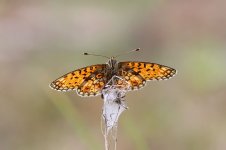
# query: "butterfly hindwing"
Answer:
x=93 y=85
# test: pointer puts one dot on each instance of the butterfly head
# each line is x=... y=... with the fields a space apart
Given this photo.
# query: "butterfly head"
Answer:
x=112 y=62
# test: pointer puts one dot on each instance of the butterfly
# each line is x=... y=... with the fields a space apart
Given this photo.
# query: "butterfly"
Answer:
x=91 y=80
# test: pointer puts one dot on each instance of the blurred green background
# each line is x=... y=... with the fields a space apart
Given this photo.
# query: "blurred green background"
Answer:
x=42 y=40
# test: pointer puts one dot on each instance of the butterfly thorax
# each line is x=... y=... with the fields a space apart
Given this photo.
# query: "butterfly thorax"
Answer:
x=112 y=66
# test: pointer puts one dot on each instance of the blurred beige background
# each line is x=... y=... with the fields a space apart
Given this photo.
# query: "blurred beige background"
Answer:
x=42 y=40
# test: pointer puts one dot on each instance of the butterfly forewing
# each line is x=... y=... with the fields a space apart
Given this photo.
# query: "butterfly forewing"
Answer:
x=87 y=81
x=137 y=73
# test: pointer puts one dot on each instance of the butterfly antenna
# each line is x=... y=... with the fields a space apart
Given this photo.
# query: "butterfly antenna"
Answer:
x=134 y=50
x=96 y=55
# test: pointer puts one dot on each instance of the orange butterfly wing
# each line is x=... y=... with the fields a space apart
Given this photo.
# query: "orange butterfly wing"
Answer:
x=137 y=73
x=87 y=81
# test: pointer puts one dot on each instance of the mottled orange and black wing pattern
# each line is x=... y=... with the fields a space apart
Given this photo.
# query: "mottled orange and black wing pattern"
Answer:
x=87 y=81
x=137 y=73
x=93 y=85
